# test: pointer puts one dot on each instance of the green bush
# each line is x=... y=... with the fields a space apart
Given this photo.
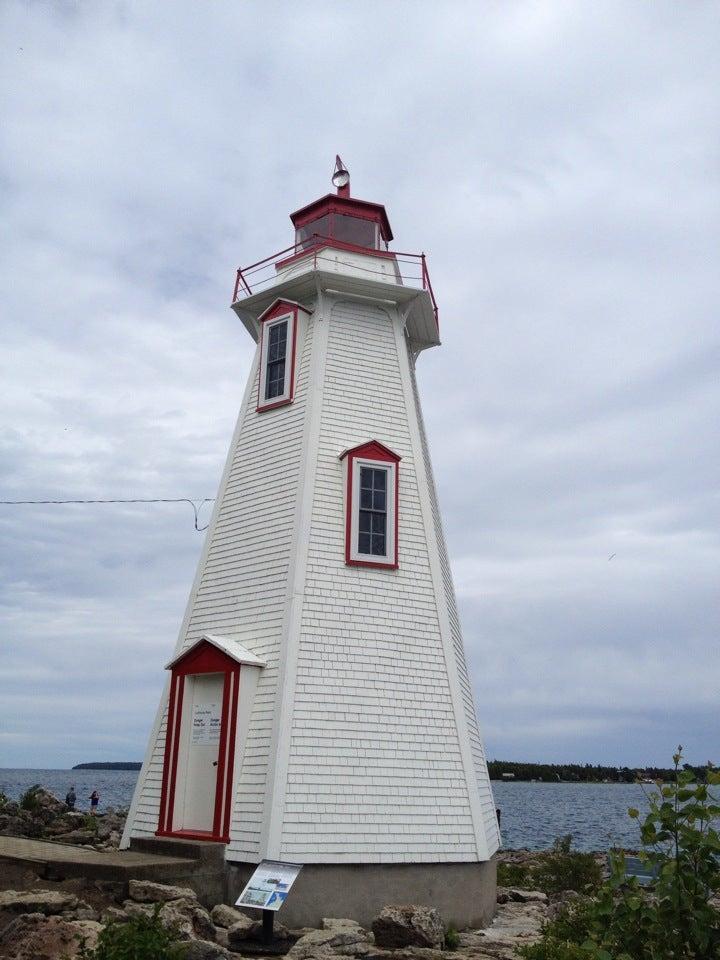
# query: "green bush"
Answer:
x=566 y=869
x=452 y=938
x=140 y=938
x=560 y=869
x=515 y=875
x=29 y=800
x=672 y=919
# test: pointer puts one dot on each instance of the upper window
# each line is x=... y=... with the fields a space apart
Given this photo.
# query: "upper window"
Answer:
x=371 y=505
x=278 y=332
x=276 y=357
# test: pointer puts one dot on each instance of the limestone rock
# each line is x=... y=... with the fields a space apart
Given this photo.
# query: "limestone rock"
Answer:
x=204 y=950
x=408 y=926
x=37 y=901
x=147 y=891
x=527 y=896
x=224 y=915
x=344 y=940
x=184 y=916
x=34 y=936
x=190 y=919
x=335 y=923
x=239 y=931
x=113 y=915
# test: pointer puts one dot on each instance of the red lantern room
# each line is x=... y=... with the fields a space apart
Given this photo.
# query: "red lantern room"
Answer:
x=339 y=217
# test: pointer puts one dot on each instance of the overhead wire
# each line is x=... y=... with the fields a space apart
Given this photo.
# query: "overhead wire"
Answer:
x=196 y=505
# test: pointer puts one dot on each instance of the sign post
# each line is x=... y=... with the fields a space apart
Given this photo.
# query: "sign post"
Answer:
x=267 y=890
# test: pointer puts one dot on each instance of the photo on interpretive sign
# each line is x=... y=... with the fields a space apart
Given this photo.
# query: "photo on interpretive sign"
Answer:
x=269 y=885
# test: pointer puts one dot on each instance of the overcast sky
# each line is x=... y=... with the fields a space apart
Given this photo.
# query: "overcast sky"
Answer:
x=558 y=162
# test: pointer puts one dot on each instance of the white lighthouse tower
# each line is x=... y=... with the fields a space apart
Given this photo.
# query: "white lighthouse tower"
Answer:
x=318 y=707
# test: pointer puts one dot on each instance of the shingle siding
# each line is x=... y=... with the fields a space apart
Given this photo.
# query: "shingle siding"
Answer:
x=376 y=768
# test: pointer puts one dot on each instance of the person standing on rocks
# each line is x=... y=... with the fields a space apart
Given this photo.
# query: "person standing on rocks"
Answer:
x=70 y=798
x=94 y=801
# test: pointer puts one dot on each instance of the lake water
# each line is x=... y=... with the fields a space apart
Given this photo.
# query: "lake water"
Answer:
x=533 y=814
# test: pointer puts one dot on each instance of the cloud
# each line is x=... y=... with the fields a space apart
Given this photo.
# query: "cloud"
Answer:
x=559 y=164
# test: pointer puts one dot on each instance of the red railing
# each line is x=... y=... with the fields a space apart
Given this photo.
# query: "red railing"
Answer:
x=410 y=268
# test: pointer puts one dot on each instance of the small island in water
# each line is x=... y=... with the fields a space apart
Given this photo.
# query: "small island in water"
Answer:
x=103 y=765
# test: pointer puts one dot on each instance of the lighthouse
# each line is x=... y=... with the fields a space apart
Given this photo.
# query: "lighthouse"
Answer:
x=318 y=707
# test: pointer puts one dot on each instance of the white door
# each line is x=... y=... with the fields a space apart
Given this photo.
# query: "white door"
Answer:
x=198 y=753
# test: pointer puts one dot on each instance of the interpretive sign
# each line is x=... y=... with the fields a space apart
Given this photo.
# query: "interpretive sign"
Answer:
x=269 y=885
x=205 y=723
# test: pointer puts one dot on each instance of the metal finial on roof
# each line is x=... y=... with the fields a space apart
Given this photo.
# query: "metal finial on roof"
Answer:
x=341 y=178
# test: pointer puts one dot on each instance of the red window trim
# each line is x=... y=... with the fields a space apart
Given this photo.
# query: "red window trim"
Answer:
x=201 y=659
x=278 y=309
x=372 y=450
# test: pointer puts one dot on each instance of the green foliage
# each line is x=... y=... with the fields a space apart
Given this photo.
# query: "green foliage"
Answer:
x=578 y=772
x=452 y=938
x=566 y=869
x=515 y=875
x=29 y=800
x=90 y=823
x=140 y=938
x=560 y=869
x=3 y=798
x=562 y=937
x=673 y=920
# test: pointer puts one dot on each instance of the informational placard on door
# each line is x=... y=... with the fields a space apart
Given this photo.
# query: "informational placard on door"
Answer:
x=205 y=723
x=269 y=885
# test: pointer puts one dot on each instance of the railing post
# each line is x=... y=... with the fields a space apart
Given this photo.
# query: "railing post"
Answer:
x=424 y=271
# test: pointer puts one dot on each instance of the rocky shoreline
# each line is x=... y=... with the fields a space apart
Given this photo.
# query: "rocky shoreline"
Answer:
x=45 y=920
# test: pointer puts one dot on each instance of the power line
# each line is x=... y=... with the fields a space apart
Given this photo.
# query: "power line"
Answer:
x=196 y=505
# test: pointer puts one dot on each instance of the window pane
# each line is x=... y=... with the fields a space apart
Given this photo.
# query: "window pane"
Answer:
x=304 y=235
x=380 y=478
x=378 y=545
x=378 y=522
x=275 y=381
x=364 y=543
x=378 y=500
x=354 y=230
x=365 y=521
x=366 y=499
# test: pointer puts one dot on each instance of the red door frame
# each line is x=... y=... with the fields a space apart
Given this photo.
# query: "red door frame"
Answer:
x=204 y=658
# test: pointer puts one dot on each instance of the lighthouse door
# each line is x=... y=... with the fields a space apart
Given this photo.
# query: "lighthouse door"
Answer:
x=197 y=774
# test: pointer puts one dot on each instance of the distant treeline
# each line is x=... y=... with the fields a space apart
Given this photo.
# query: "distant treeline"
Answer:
x=108 y=766
x=581 y=773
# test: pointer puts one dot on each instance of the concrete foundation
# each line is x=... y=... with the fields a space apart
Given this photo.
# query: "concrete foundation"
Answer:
x=463 y=893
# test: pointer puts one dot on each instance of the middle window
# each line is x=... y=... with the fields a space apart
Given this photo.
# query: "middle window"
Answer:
x=372 y=533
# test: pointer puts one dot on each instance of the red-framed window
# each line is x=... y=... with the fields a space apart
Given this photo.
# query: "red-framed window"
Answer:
x=278 y=348
x=371 y=474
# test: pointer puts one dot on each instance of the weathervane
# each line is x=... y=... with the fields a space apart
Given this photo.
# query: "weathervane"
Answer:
x=341 y=178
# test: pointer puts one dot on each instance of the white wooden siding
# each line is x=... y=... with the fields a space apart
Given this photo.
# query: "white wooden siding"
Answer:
x=375 y=771
x=487 y=801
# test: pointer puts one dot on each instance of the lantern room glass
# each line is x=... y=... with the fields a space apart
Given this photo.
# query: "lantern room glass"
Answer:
x=357 y=231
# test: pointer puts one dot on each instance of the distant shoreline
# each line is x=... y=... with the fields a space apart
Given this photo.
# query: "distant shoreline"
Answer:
x=507 y=771
x=122 y=765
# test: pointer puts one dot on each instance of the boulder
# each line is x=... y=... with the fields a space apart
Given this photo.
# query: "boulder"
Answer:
x=37 y=901
x=186 y=917
x=113 y=915
x=344 y=940
x=147 y=891
x=335 y=923
x=408 y=925
x=226 y=916
x=34 y=936
x=79 y=837
x=204 y=950
x=527 y=896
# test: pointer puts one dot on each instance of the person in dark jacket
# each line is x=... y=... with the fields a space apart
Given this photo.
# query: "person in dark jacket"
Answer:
x=70 y=798
x=94 y=801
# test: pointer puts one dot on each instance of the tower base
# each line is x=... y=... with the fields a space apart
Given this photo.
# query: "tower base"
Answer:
x=463 y=893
